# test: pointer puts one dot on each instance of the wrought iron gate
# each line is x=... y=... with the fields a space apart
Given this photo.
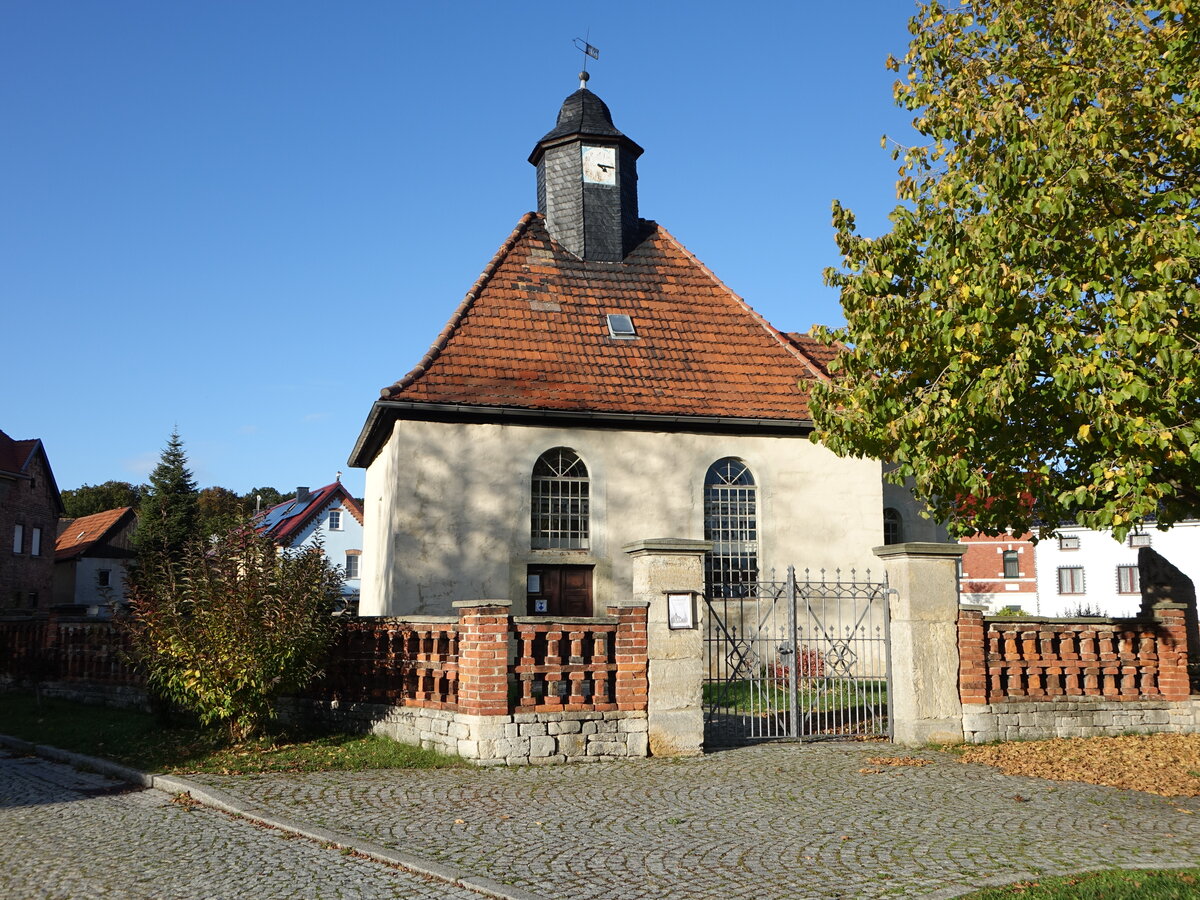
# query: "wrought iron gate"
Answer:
x=800 y=659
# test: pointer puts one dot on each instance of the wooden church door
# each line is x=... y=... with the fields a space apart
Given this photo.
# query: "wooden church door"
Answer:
x=560 y=590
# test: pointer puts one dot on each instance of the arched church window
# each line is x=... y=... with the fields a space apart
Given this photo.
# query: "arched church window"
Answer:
x=559 y=501
x=893 y=532
x=731 y=523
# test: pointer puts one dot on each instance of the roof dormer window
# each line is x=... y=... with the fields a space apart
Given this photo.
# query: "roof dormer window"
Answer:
x=621 y=327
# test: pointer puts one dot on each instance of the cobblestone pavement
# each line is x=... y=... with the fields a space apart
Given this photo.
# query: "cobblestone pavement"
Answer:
x=775 y=821
x=71 y=834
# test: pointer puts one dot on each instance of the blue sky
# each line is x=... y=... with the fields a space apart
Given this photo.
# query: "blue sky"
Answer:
x=242 y=219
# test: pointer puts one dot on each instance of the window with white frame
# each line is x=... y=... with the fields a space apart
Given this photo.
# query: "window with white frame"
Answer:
x=731 y=523
x=1139 y=539
x=1070 y=580
x=352 y=565
x=335 y=520
x=893 y=526
x=1128 y=581
x=1068 y=542
x=35 y=542
x=1012 y=564
x=18 y=543
x=560 y=505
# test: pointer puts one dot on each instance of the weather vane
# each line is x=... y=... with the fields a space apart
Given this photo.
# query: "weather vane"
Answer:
x=587 y=50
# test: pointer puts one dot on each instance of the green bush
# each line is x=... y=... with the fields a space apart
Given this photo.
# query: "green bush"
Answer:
x=233 y=625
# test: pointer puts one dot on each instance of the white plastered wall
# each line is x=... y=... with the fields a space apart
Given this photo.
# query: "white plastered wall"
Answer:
x=1099 y=556
x=915 y=525
x=447 y=508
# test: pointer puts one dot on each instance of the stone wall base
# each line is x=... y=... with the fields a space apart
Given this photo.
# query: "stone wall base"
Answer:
x=1016 y=720
x=94 y=693
x=515 y=740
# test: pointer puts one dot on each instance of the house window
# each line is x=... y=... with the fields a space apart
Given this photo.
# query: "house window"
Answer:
x=893 y=532
x=335 y=520
x=351 y=564
x=731 y=523
x=560 y=513
x=18 y=538
x=35 y=542
x=1070 y=580
x=1068 y=542
x=104 y=578
x=1012 y=564
x=1128 y=581
x=1138 y=539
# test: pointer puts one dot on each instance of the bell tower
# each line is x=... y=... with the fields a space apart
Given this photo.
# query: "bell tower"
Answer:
x=587 y=180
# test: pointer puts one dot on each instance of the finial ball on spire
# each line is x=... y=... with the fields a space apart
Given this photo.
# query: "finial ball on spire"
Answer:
x=583 y=78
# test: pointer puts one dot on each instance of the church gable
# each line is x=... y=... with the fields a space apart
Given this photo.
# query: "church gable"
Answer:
x=535 y=333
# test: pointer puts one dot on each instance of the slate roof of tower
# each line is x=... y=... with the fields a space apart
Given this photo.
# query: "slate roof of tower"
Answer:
x=583 y=113
x=532 y=334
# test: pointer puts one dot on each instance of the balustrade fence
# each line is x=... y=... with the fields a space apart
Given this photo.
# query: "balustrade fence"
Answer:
x=482 y=662
x=1002 y=659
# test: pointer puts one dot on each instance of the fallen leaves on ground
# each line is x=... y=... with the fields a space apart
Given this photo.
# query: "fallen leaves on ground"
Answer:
x=877 y=761
x=1163 y=764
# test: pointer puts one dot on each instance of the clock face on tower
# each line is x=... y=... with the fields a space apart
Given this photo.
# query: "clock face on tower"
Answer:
x=600 y=165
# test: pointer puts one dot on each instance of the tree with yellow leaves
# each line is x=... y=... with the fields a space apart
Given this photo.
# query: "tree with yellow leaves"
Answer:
x=1026 y=335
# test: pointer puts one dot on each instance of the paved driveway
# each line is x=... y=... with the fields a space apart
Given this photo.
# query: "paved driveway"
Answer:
x=70 y=834
x=780 y=821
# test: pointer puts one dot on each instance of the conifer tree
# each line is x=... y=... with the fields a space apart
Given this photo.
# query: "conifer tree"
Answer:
x=168 y=516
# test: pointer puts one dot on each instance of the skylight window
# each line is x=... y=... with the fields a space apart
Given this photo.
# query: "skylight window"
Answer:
x=621 y=326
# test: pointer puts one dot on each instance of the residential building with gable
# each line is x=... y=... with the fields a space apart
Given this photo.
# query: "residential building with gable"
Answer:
x=91 y=558
x=30 y=505
x=1082 y=568
x=332 y=514
x=1000 y=572
x=598 y=386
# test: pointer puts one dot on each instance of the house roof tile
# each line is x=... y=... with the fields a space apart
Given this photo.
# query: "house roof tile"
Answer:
x=77 y=536
x=15 y=455
x=285 y=521
x=532 y=334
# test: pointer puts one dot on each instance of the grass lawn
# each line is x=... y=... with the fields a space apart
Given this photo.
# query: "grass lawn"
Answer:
x=1116 y=884
x=142 y=741
x=757 y=697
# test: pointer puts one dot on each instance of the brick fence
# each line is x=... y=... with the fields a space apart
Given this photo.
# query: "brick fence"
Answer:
x=1037 y=677
x=482 y=684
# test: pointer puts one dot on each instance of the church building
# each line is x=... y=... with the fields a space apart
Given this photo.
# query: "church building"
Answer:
x=598 y=386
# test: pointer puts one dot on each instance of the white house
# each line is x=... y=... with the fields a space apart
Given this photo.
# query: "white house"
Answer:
x=598 y=385
x=91 y=559
x=1085 y=568
x=329 y=513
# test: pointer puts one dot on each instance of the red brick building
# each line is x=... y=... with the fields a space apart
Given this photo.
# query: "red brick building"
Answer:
x=29 y=509
x=999 y=571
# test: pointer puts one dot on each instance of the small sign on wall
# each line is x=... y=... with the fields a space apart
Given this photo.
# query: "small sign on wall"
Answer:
x=681 y=610
x=541 y=605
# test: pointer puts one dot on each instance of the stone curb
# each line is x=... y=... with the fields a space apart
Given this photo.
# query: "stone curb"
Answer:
x=216 y=799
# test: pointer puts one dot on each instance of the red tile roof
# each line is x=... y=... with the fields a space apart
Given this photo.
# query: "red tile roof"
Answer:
x=284 y=521
x=76 y=536
x=532 y=334
x=15 y=455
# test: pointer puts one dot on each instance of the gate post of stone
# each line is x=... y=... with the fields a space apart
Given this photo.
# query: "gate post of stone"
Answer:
x=923 y=606
x=674 y=709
